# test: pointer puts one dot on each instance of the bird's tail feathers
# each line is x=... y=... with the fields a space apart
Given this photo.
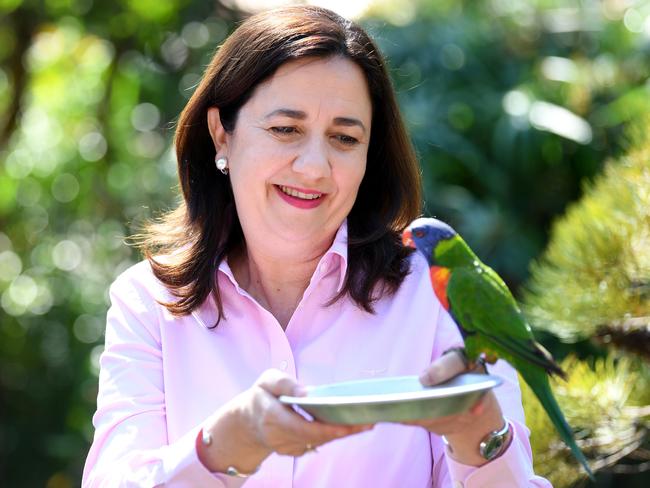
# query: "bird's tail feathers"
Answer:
x=552 y=367
x=546 y=398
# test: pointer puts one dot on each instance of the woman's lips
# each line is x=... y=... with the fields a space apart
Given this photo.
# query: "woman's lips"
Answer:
x=300 y=198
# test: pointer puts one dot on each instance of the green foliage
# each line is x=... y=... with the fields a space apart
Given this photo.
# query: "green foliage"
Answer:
x=595 y=272
x=607 y=405
x=85 y=156
x=592 y=282
x=511 y=105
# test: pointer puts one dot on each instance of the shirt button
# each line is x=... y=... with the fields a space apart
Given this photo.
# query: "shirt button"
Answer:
x=283 y=365
x=458 y=484
x=322 y=268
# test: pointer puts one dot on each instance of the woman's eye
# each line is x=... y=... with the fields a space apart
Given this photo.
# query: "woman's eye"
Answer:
x=283 y=130
x=347 y=140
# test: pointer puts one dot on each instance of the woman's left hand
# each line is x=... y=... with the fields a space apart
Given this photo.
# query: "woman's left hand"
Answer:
x=464 y=431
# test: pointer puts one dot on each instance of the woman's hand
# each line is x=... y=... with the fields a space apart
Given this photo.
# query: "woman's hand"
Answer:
x=464 y=431
x=255 y=424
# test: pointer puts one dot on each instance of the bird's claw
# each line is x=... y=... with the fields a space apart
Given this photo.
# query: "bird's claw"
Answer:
x=479 y=366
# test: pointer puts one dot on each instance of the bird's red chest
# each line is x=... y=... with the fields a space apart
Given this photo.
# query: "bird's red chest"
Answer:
x=439 y=280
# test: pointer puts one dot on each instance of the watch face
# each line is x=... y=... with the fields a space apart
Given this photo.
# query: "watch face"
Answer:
x=492 y=447
x=493 y=444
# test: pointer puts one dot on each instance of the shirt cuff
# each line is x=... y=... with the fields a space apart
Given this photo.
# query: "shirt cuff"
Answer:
x=183 y=467
x=513 y=468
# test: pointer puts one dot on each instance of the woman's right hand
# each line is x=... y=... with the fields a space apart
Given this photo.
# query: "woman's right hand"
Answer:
x=255 y=424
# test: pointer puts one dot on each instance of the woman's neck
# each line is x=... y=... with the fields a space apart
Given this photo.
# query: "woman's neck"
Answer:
x=277 y=281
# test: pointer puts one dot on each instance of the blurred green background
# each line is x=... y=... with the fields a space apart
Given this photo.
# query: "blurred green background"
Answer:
x=513 y=107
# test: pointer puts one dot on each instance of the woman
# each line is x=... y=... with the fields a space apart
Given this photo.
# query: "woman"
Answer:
x=283 y=267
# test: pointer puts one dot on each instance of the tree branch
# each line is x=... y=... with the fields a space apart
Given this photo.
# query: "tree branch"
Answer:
x=631 y=335
x=24 y=24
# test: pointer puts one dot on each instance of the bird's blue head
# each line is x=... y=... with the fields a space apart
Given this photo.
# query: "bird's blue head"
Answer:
x=424 y=234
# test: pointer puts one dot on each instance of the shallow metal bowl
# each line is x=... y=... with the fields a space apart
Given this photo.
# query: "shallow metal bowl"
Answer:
x=394 y=399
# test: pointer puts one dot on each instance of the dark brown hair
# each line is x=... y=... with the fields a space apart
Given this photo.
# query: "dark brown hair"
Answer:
x=191 y=241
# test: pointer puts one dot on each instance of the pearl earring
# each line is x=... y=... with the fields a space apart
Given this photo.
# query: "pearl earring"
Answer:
x=222 y=165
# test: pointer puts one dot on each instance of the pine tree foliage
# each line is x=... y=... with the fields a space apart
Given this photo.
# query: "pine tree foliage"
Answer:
x=593 y=282
x=594 y=278
x=607 y=405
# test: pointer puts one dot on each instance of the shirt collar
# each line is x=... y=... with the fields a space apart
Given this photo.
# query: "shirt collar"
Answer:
x=206 y=314
x=340 y=247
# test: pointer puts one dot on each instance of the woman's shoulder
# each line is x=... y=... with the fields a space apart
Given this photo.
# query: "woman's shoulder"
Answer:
x=416 y=289
x=139 y=279
x=418 y=266
x=417 y=279
x=136 y=311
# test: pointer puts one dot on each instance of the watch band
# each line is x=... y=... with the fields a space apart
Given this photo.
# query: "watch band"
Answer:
x=206 y=440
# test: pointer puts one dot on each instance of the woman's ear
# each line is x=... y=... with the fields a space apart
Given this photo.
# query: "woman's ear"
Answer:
x=217 y=132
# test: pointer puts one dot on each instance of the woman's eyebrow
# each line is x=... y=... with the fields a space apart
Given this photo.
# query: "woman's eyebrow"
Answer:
x=300 y=115
x=349 y=122
x=287 y=112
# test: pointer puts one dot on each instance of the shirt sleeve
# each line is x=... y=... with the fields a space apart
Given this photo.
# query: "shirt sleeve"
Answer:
x=514 y=468
x=130 y=447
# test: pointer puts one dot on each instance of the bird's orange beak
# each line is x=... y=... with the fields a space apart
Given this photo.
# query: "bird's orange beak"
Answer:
x=407 y=239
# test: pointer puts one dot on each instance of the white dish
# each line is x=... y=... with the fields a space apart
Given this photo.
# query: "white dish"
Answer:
x=393 y=399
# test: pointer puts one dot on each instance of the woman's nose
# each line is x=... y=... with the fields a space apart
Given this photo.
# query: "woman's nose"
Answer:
x=313 y=161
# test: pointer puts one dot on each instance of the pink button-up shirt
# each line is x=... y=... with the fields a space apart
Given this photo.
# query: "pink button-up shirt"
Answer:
x=162 y=376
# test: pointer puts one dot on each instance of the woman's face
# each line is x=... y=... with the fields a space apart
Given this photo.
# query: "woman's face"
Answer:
x=298 y=152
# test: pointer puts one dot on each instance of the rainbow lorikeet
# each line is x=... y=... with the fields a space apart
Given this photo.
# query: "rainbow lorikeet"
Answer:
x=487 y=315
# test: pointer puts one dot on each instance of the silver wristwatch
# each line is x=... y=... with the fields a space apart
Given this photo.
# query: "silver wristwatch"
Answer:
x=493 y=444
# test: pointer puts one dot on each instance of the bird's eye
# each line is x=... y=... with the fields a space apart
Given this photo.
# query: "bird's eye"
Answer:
x=419 y=233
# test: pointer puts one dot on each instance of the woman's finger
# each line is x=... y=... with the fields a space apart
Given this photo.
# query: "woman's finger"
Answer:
x=297 y=434
x=445 y=367
x=285 y=431
x=487 y=404
x=278 y=383
x=312 y=431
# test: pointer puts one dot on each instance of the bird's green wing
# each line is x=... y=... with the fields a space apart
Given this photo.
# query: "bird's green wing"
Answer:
x=482 y=304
